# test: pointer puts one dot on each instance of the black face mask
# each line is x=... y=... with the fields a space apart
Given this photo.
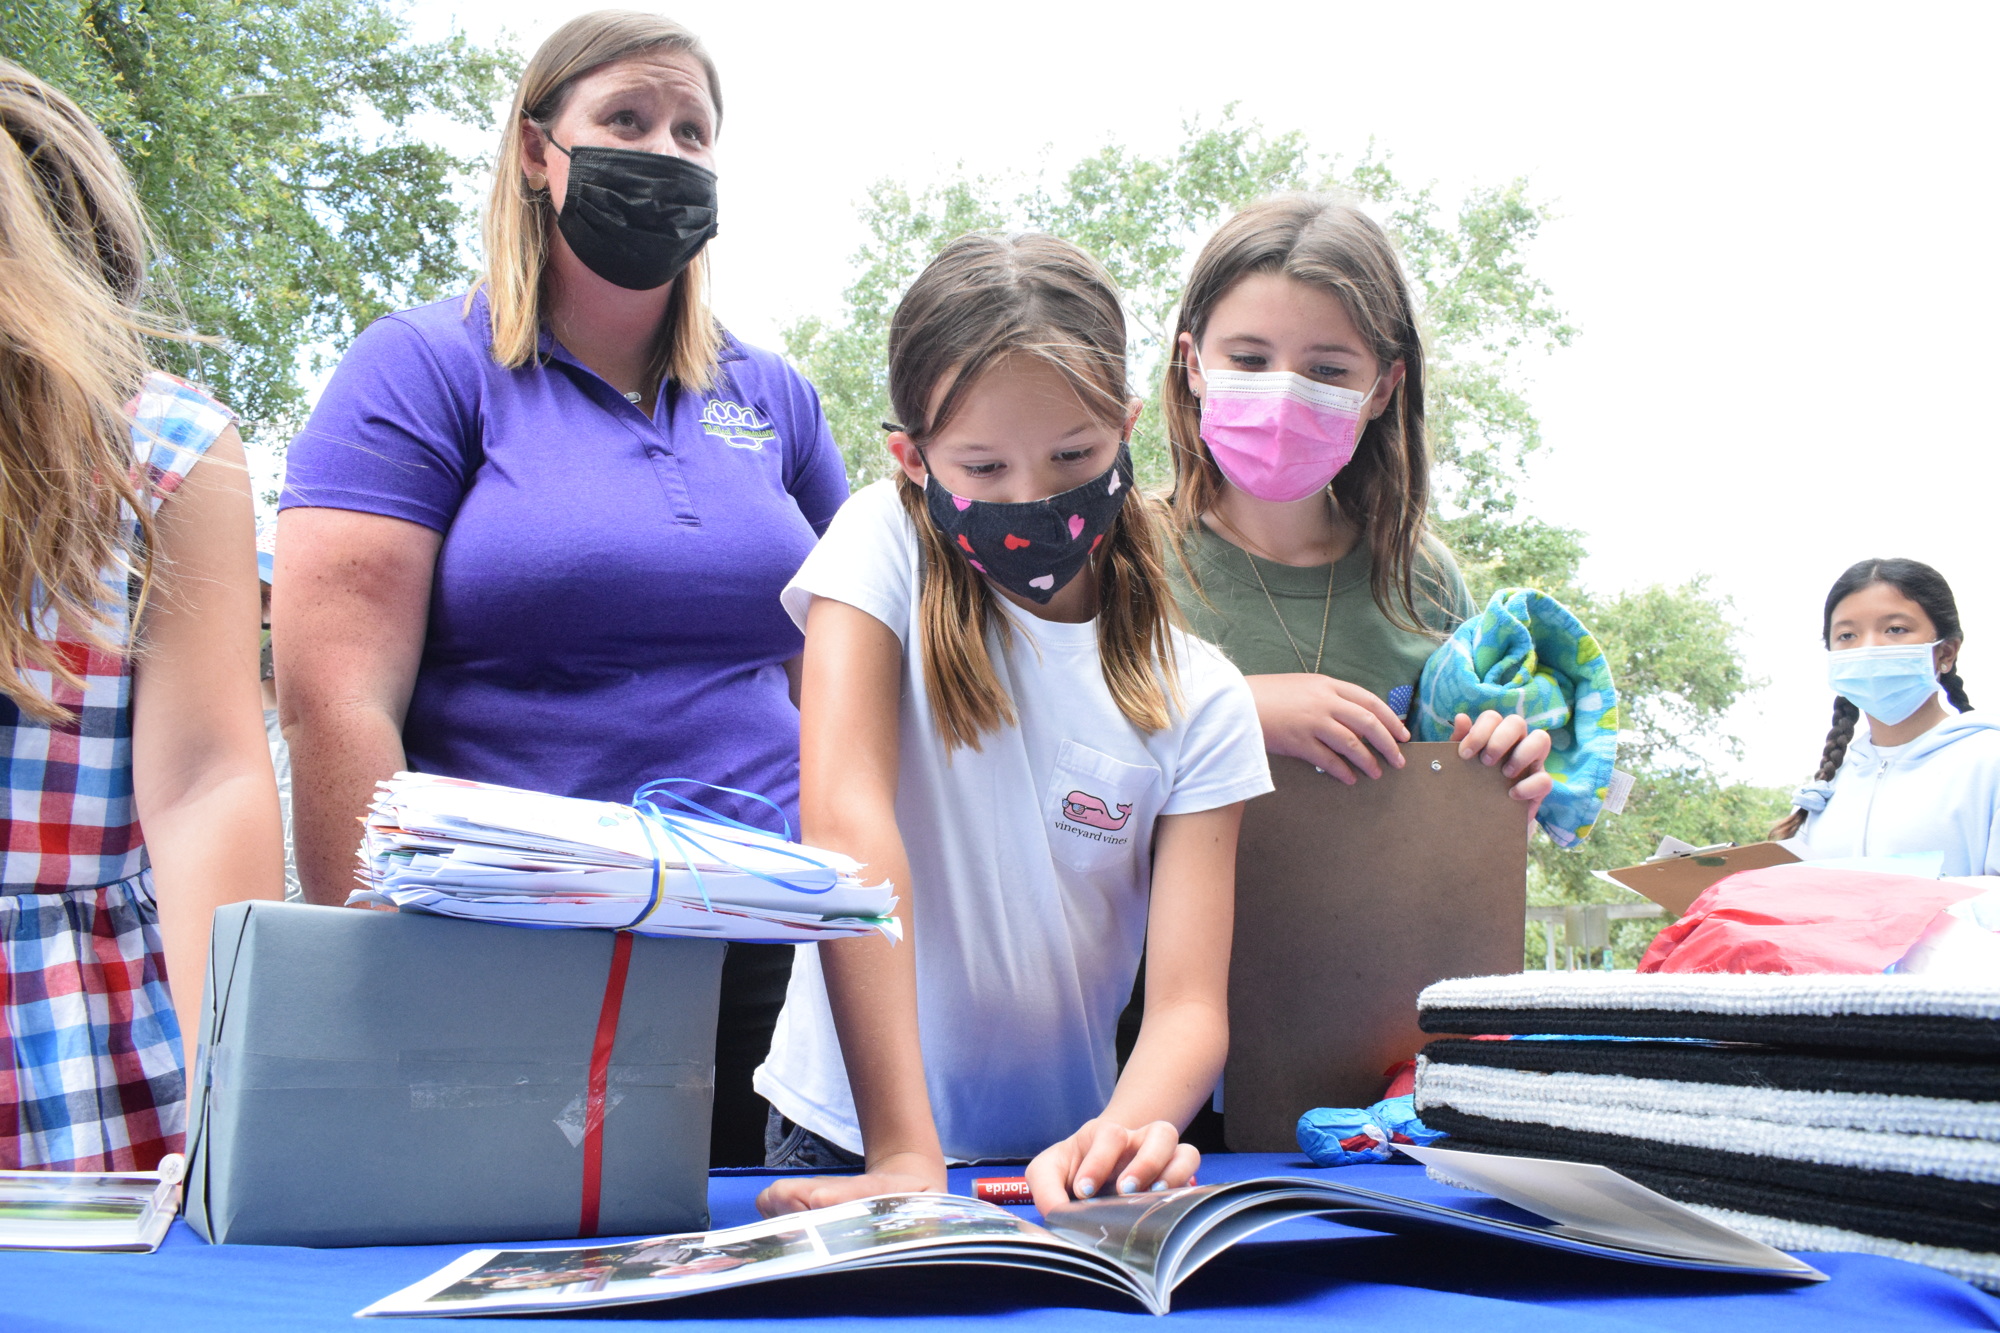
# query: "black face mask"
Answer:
x=1032 y=549
x=636 y=219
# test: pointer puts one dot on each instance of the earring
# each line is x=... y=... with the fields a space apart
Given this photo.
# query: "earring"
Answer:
x=537 y=181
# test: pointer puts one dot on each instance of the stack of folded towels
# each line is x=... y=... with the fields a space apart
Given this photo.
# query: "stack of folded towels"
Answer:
x=1851 y=1113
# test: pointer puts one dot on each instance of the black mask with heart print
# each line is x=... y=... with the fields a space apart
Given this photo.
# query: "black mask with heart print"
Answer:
x=1032 y=549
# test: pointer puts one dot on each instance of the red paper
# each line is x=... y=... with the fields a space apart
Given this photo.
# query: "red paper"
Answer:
x=1795 y=919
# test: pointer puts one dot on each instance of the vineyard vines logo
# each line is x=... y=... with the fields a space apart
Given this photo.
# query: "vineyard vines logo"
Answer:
x=737 y=426
x=1084 y=808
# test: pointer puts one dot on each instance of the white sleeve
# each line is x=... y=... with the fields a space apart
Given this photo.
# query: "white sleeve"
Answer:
x=868 y=559
x=1992 y=866
x=1221 y=759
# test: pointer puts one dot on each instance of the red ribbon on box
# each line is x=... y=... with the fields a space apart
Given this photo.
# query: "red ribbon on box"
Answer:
x=600 y=1077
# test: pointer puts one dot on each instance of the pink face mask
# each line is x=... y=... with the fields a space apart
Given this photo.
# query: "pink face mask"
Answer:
x=1276 y=435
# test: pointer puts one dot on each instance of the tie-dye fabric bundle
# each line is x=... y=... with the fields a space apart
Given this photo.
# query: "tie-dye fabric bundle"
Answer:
x=1526 y=654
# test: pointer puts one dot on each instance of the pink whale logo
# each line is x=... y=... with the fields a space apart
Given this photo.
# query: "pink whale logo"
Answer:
x=1087 y=809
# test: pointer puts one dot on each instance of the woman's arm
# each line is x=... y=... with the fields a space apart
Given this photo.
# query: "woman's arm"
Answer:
x=1184 y=1037
x=849 y=746
x=201 y=766
x=350 y=602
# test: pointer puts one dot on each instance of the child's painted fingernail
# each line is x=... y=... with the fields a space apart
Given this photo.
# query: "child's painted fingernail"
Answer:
x=1129 y=1185
x=1085 y=1187
x=1159 y=1185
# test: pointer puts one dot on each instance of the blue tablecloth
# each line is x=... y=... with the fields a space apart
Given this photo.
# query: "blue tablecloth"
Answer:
x=1305 y=1275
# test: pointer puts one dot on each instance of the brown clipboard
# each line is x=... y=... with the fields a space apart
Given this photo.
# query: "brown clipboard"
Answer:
x=1350 y=900
x=1675 y=882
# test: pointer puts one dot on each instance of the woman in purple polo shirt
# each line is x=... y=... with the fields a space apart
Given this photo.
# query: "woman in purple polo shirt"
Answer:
x=536 y=536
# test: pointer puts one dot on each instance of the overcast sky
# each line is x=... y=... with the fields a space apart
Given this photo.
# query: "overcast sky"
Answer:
x=1776 y=238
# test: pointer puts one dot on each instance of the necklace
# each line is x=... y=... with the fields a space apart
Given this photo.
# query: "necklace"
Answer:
x=1326 y=612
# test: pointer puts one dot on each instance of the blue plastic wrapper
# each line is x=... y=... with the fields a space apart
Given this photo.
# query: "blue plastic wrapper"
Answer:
x=1347 y=1136
x=1343 y=1136
x=1398 y=1115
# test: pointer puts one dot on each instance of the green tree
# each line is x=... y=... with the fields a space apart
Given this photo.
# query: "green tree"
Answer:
x=1485 y=313
x=277 y=148
x=1674 y=655
x=847 y=361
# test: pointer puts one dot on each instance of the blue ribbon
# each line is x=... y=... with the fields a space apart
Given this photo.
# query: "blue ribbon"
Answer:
x=686 y=835
x=646 y=796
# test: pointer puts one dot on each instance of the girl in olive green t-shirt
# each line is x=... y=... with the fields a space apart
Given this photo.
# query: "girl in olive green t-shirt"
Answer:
x=1294 y=407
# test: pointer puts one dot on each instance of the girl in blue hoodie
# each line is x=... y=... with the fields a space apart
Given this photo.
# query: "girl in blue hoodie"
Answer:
x=1920 y=778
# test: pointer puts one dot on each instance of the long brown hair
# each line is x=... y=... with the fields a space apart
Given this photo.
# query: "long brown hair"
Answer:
x=1385 y=490
x=73 y=256
x=983 y=300
x=1922 y=585
x=519 y=219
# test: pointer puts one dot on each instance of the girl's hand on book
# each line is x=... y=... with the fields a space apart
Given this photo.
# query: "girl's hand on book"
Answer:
x=1334 y=725
x=905 y=1173
x=1508 y=741
x=1104 y=1157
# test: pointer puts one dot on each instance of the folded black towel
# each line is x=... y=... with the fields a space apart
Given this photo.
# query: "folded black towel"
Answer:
x=1896 y=1014
x=1936 y=1209
x=1855 y=1113
x=1791 y=1218
x=1737 y=1064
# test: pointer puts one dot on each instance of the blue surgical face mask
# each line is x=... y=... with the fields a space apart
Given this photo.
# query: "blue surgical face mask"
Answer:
x=1888 y=682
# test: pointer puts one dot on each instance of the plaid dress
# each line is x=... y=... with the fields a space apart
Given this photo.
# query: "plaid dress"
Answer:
x=91 y=1074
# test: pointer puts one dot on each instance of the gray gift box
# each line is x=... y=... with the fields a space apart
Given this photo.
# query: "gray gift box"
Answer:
x=380 y=1078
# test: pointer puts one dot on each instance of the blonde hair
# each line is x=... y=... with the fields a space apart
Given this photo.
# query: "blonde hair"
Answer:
x=73 y=255
x=519 y=219
x=983 y=300
x=1385 y=489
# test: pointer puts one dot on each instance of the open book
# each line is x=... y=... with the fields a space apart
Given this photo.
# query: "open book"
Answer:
x=1143 y=1245
x=89 y=1210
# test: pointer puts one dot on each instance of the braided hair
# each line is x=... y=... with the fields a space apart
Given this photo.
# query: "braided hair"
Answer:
x=1922 y=585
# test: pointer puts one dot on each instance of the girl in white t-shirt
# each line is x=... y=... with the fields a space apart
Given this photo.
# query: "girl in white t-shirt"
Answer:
x=999 y=715
x=1919 y=778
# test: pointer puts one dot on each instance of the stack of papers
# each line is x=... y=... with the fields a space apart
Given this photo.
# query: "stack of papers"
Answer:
x=89 y=1210
x=488 y=853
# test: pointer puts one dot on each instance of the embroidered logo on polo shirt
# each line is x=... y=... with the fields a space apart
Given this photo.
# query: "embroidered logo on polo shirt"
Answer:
x=735 y=425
